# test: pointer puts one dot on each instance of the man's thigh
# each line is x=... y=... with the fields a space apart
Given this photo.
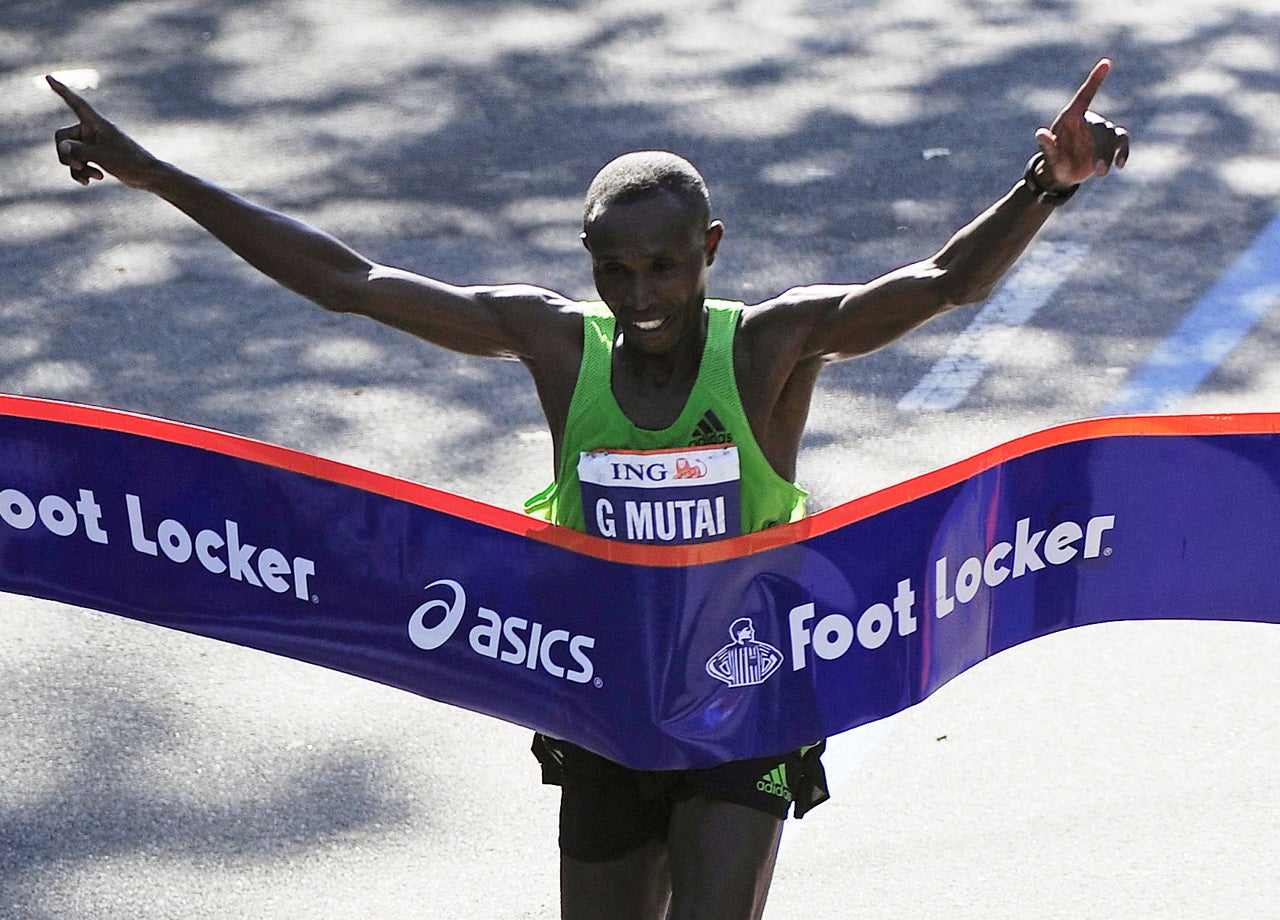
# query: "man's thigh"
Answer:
x=722 y=857
x=635 y=886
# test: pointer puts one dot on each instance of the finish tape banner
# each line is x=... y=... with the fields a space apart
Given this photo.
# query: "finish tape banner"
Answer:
x=655 y=656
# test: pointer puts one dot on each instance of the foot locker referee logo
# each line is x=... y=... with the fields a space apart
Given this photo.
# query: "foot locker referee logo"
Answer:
x=744 y=662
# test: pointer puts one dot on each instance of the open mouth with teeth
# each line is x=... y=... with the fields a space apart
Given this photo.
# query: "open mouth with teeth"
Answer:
x=649 y=325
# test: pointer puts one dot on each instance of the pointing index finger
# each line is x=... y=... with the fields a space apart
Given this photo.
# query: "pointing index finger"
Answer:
x=82 y=109
x=1083 y=98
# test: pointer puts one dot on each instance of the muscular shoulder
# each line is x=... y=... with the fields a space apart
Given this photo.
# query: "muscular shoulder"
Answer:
x=528 y=301
x=547 y=329
x=777 y=369
x=539 y=321
x=798 y=301
x=786 y=325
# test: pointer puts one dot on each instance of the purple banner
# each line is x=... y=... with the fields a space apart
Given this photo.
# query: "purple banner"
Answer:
x=658 y=657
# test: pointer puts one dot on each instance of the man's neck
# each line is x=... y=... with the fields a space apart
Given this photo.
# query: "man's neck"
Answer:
x=652 y=389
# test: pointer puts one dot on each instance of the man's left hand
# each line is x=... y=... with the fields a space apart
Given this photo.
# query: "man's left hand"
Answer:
x=1081 y=143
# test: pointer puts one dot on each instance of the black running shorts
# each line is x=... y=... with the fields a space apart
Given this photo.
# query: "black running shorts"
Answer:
x=608 y=810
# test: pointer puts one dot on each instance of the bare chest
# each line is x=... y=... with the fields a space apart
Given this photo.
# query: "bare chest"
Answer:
x=648 y=402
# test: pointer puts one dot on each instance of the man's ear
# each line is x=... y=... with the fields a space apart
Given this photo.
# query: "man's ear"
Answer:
x=714 y=232
x=585 y=242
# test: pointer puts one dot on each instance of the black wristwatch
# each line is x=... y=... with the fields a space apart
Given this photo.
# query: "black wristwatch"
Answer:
x=1049 y=196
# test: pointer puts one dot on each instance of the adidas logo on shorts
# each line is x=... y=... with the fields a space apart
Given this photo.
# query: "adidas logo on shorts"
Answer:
x=775 y=782
x=710 y=431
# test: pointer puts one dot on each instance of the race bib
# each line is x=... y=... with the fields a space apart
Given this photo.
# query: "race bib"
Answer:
x=667 y=497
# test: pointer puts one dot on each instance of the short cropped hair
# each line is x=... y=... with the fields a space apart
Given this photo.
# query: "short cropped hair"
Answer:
x=634 y=175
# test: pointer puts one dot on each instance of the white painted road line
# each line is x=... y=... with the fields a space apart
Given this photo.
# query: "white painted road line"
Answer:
x=1209 y=333
x=1033 y=282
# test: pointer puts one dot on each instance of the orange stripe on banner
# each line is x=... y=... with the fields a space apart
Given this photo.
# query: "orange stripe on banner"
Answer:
x=629 y=553
x=284 y=458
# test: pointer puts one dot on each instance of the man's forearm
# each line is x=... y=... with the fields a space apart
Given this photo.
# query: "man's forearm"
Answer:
x=978 y=256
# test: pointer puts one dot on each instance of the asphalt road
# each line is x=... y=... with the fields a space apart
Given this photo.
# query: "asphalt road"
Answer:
x=1117 y=771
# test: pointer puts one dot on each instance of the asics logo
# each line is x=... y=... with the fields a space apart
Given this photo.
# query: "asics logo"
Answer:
x=511 y=640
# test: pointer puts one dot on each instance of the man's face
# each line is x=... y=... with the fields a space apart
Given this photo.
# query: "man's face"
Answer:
x=649 y=258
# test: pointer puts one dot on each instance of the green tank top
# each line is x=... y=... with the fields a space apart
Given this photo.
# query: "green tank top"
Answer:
x=712 y=418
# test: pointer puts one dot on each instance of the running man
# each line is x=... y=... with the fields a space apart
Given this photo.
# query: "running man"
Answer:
x=660 y=368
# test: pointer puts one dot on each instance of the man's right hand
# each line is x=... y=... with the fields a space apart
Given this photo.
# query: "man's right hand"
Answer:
x=96 y=140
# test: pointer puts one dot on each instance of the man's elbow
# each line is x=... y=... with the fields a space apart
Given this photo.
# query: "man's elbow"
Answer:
x=346 y=290
x=956 y=291
x=971 y=294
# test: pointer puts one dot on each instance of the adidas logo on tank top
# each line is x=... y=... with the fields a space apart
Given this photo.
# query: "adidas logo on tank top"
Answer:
x=710 y=431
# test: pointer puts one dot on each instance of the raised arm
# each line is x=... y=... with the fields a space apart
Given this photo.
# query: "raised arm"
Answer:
x=842 y=321
x=503 y=321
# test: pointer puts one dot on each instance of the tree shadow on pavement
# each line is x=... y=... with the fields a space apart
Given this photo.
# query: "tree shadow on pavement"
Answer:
x=118 y=782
